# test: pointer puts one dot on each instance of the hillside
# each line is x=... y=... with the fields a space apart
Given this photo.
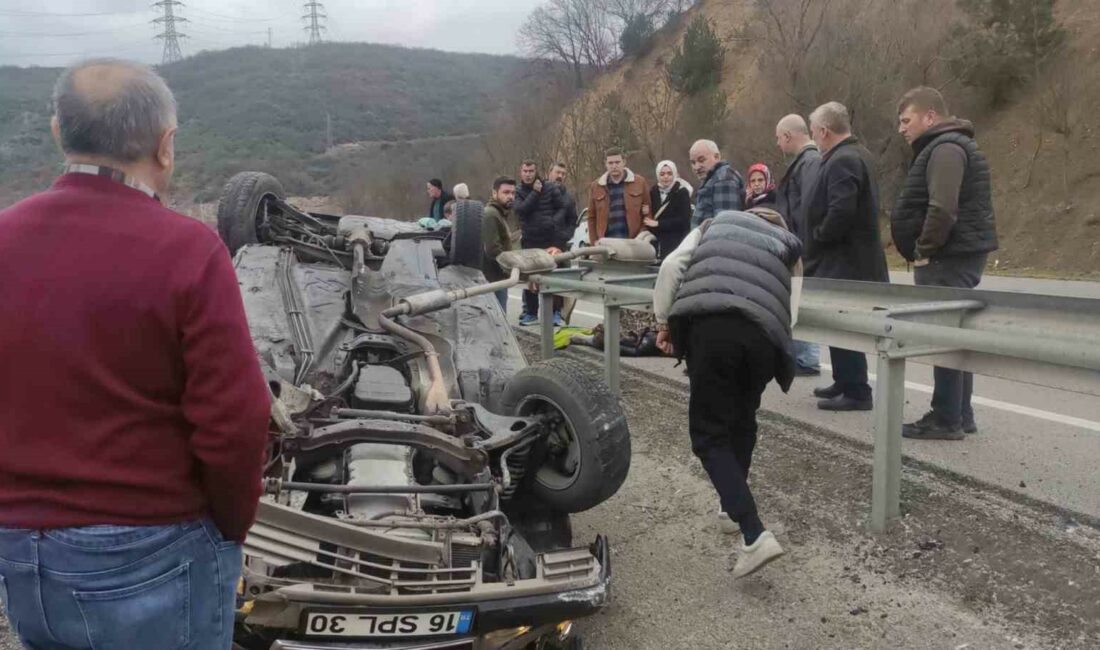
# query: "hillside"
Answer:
x=276 y=109
x=1043 y=143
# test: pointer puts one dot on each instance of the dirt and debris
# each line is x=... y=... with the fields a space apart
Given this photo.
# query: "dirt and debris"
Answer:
x=966 y=567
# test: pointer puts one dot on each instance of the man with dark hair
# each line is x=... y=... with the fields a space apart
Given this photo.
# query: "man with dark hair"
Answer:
x=721 y=186
x=440 y=198
x=618 y=201
x=558 y=174
x=540 y=208
x=842 y=239
x=122 y=504
x=943 y=224
x=499 y=232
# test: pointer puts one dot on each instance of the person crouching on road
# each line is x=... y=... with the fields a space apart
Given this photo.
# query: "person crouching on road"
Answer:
x=723 y=302
x=123 y=503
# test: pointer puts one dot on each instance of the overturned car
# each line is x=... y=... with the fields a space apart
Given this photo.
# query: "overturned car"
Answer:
x=419 y=485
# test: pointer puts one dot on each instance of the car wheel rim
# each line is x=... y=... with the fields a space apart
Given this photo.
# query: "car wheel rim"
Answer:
x=562 y=465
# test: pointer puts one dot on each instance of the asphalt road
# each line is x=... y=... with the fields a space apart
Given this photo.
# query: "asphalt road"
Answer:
x=1043 y=443
x=965 y=569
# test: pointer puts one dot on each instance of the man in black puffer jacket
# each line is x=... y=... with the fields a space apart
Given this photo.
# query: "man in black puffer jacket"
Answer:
x=943 y=223
x=723 y=301
x=541 y=211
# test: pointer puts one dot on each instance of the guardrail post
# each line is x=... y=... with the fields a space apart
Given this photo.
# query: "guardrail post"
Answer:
x=889 y=406
x=611 y=347
x=546 y=323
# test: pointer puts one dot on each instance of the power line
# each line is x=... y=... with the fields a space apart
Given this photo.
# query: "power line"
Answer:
x=170 y=35
x=315 y=14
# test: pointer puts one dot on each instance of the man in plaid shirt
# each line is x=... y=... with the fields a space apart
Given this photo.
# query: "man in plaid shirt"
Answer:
x=722 y=188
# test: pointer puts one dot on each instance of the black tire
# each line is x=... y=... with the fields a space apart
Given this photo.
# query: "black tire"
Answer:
x=240 y=208
x=585 y=461
x=466 y=246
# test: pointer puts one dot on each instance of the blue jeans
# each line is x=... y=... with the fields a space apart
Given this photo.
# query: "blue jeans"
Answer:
x=502 y=298
x=120 y=587
x=807 y=355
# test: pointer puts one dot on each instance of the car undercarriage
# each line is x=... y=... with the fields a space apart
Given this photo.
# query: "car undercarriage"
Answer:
x=421 y=474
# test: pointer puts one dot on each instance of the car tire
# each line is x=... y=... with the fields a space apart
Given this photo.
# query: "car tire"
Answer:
x=240 y=208
x=467 y=248
x=586 y=459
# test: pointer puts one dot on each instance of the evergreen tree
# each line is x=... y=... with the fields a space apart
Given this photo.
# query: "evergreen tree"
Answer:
x=697 y=64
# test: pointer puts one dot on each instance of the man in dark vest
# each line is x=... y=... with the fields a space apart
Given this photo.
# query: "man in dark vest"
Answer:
x=943 y=224
x=723 y=302
x=842 y=239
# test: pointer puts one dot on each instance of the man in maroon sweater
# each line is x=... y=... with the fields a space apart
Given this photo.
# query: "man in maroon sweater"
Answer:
x=133 y=412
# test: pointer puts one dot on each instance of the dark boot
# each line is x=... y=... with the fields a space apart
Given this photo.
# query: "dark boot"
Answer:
x=828 y=392
x=845 y=403
x=931 y=429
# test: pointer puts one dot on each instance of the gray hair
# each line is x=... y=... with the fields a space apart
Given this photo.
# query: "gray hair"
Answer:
x=708 y=146
x=124 y=123
x=832 y=116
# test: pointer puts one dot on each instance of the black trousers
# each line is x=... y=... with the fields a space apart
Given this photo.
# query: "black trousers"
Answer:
x=850 y=373
x=729 y=364
x=953 y=388
x=531 y=303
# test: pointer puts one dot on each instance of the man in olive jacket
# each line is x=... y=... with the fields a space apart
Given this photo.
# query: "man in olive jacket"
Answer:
x=842 y=239
x=499 y=232
x=943 y=223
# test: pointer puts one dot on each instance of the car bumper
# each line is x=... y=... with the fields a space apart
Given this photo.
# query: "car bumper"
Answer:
x=499 y=623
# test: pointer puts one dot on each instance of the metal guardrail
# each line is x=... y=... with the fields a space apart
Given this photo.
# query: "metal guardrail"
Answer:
x=1041 y=340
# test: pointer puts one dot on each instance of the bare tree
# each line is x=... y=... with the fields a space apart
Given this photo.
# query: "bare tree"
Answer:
x=793 y=26
x=578 y=32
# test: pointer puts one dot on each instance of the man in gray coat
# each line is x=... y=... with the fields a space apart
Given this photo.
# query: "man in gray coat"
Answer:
x=792 y=136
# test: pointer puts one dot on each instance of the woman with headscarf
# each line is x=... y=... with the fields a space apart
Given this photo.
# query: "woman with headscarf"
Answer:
x=761 y=189
x=671 y=216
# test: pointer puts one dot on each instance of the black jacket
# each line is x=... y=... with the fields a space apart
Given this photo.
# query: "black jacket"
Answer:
x=674 y=220
x=742 y=265
x=542 y=216
x=571 y=217
x=791 y=193
x=974 y=231
x=444 y=198
x=843 y=241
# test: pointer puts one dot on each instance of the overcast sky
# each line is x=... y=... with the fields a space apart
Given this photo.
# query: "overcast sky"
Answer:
x=58 y=32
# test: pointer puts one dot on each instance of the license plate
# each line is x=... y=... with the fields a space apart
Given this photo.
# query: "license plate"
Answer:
x=388 y=625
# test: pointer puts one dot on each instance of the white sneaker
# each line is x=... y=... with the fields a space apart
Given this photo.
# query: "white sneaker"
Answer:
x=725 y=524
x=765 y=549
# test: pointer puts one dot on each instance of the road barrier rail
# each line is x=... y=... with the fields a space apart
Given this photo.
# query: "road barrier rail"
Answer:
x=1047 y=341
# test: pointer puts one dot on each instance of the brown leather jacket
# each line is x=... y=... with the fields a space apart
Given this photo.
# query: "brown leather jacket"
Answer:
x=636 y=195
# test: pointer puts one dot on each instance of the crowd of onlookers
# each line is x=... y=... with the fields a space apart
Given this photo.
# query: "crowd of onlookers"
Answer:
x=827 y=197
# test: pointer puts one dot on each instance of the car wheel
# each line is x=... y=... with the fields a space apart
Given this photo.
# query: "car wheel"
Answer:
x=242 y=208
x=586 y=456
x=466 y=246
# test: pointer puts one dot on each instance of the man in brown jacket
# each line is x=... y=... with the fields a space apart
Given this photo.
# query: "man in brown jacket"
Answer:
x=618 y=201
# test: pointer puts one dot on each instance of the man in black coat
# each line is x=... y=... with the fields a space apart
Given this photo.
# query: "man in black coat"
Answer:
x=541 y=210
x=842 y=239
x=943 y=223
x=792 y=136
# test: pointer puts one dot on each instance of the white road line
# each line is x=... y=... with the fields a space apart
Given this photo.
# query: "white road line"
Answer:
x=1005 y=406
x=1050 y=416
